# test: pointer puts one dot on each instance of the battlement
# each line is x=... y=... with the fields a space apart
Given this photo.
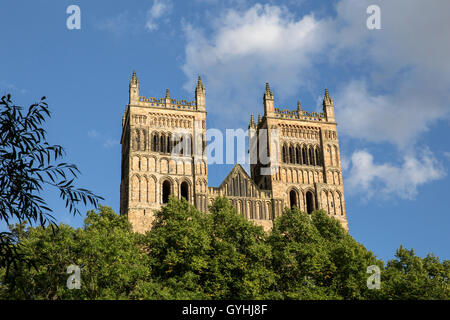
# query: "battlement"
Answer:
x=300 y=115
x=167 y=103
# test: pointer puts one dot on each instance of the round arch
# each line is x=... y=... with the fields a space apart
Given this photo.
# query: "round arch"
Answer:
x=310 y=201
x=185 y=190
x=166 y=189
x=293 y=198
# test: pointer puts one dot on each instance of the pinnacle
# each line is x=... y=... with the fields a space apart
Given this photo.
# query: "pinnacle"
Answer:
x=268 y=92
x=134 y=78
x=200 y=84
x=327 y=99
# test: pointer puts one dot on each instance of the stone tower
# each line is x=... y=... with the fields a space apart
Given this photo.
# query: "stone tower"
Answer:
x=162 y=143
x=303 y=167
x=294 y=159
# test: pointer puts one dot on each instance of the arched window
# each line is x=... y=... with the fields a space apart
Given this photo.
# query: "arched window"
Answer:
x=318 y=159
x=168 y=143
x=143 y=141
x=291 y=154
x=181 y=143
x=155 y=140
x=309 y=202
x=162 y=143
x=293 y=198
x=298 y=155
x=184 y=190
x=239 y=185
x=304 y=155
x=166 y=188
x=136 y=139
x=311 y=156
x=284 y=154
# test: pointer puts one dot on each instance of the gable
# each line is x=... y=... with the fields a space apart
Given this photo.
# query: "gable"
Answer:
x=239 y=183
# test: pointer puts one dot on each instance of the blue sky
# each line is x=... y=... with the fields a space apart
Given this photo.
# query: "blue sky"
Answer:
x=391 y=89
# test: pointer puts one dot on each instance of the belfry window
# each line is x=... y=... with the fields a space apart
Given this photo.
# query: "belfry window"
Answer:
x=293 y=199
x=184 y=190
x=284 y=154
x=311 y=156
x=304 y=155
x=291 y=155
x=318 y=160
x=155 y=142
x=310 y=202
x=162 y=144
x=166 y=188
x=298 y=156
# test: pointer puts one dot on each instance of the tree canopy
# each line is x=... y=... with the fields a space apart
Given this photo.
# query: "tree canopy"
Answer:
x=189 y=254
x=28 y=163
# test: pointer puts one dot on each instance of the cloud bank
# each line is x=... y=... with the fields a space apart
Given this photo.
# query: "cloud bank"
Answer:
x=396 y=83
x=159 y=10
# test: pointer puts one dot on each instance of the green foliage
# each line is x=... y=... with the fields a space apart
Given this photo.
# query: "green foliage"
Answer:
x=219 y=255
x=409 y=277
x=240 y=267
x=189 y=254
x=106 y=250
x=28 y=164
x=307 y=255
x=179 y=247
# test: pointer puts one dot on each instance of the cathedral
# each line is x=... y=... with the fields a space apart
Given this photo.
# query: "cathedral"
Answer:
x=294 y=160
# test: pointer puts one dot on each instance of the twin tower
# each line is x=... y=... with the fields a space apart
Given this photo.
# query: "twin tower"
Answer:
x=163 y=153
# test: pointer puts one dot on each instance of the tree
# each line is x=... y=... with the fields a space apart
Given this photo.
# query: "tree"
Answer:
x=112 y=262
x=28 y=164
x=190 y=254
x=179 y=246
x=315 y=258
x=215 y=255
x=241 y=267
x=409 y=277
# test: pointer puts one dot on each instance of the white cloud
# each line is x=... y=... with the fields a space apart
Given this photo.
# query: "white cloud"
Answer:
x=246 y=49
x=389 y=180
x=399 y=83
x=267 y=43
x=406 y=63
x=159 y=9
x=398 y=117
